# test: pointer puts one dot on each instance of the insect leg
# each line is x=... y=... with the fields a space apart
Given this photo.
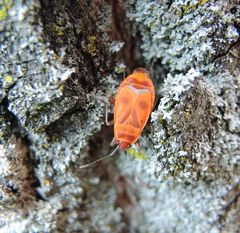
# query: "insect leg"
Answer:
x=108 y=123
x=138 y=145
x=113 y=142
x=111 y=100
x=106 y=100
x=156 y=103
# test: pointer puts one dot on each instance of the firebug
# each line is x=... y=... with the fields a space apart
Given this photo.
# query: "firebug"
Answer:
x=133 y=106
x=134 y=103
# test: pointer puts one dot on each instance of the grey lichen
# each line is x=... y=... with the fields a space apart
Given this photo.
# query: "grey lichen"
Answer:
x=50 y=105
x=187 y=132
x=195 y=128
x=57 y=62
x=189 y=38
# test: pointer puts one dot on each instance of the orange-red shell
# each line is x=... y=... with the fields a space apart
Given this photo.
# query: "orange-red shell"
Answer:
x=133 y=106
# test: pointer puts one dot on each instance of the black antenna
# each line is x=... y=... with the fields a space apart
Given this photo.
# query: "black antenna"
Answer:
x=98 y=160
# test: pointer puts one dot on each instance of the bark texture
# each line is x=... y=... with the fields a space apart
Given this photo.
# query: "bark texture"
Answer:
x=60 y=58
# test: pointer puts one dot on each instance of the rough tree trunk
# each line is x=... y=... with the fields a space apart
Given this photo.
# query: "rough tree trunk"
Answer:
x=57 y=57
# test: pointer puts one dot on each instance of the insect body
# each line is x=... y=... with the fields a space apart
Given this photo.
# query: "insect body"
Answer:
x=133 y=106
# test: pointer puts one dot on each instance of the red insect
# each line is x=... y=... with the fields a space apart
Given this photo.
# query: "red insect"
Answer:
x=133 y=106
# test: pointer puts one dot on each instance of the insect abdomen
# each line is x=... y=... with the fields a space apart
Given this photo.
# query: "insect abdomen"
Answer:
x=126 y=133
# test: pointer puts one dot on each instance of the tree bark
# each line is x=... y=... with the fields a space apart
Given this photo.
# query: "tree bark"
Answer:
x=59 y=59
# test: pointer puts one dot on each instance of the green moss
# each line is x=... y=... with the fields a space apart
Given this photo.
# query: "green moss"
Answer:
x=186 y=9
x=179 y=166
x=120 y=68
x=179 y=13
x=91 y=45
x=171 y=106
x=186 y=116
x=45 y=146
x=201 y=2
x=8 y=80
x=162 y=141
x=137 y=154
x=62 y=88
x=3 y=13
x=58 y=31
x=161 y=119
x=8 y=3
x=5 y=5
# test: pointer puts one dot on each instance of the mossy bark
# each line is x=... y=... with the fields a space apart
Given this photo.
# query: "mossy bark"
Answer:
x=60 y=58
